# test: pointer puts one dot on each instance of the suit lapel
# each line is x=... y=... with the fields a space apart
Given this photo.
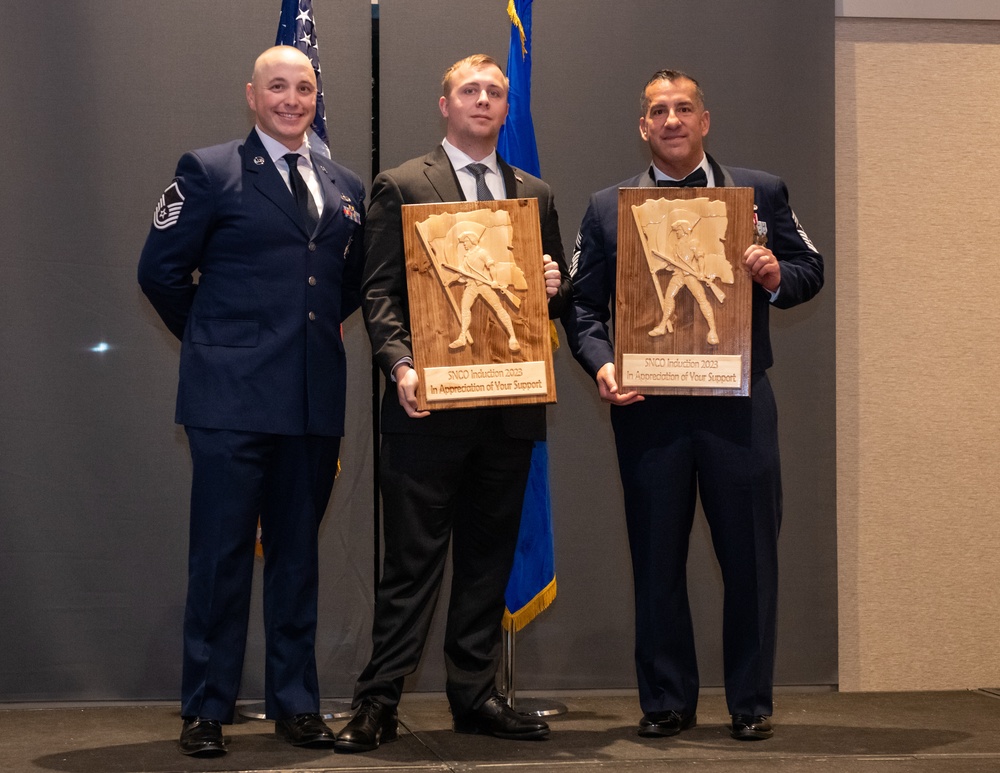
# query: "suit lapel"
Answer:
x=512 y=182
x=441 y=176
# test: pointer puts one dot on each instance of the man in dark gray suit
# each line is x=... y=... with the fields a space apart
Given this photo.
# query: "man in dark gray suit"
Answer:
x=449 y=474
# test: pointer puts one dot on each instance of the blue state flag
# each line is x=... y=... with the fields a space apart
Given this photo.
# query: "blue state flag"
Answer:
x=297 y=28
x=532 y=584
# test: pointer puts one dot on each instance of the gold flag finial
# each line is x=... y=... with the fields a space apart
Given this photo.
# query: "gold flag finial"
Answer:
x=516 y=21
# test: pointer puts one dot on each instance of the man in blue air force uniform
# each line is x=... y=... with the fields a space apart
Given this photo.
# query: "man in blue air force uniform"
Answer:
x=668 y=448
x=275 y=231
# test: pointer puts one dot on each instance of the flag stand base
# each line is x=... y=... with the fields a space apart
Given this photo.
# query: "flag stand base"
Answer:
x=537 y=707
x=329 y=709
x=532 y=707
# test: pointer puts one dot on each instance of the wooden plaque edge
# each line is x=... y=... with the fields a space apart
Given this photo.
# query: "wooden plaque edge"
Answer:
x=536 y=279
x=714 y=194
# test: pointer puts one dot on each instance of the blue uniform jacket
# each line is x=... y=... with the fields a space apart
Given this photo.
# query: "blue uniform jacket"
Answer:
x=594 y=266
x=260 y=329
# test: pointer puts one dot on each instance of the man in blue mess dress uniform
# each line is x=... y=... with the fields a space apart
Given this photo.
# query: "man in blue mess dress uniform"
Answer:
x=274 y=231
x=669 y=448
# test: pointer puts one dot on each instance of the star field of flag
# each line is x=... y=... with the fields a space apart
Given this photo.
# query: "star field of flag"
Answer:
x=297 y=28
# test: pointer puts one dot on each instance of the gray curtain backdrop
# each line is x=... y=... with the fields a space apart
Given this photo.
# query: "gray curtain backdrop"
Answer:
x=101 y=99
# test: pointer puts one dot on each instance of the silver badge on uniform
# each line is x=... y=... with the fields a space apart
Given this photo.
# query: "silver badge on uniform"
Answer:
x=760 y=229
x=259 y=160
x=168 y=208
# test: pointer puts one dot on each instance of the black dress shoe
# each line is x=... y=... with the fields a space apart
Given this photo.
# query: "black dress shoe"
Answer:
x=374 y=723
x=202 y=738
x=498 y=719
x=661 y=724
x=304 y=730
x=747 y=727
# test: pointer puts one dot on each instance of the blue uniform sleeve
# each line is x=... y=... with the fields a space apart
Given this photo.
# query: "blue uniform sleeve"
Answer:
x=801 y=264
x=355 y=259
x=175 y=243
x=593 y=273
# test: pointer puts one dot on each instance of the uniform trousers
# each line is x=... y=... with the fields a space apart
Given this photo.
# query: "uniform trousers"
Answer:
x=726 y=449
x=286 y=481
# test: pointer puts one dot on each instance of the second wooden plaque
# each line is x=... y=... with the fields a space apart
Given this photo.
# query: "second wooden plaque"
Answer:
x=478 y=307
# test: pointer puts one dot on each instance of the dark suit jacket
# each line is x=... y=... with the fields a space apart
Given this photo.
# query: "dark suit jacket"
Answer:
x=261 y=343
x=386 y=308
x=595 y=265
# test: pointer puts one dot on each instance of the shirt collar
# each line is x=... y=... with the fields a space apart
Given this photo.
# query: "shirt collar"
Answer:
x=460 y=159
x=276 y=150
x=657 y=175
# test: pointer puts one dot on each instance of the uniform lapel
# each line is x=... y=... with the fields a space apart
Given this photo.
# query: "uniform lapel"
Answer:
x=267 y=179
x=722 y=177
x=335 y=201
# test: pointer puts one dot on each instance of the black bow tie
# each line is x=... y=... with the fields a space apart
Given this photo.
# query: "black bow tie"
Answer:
x=697 y=179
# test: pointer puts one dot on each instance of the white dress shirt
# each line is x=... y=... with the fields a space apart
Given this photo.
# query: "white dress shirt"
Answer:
x=460 y=160
x=277 y=152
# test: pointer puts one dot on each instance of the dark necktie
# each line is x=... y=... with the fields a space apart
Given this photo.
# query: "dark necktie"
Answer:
x=479 y=172
x=697 y=179
x=303 y=198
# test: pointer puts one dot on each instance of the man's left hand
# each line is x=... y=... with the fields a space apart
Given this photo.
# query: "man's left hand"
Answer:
x=552 y=276
x=764 y=267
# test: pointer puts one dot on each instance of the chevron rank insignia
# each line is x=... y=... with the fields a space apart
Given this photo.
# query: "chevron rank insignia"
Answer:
x=168 y=208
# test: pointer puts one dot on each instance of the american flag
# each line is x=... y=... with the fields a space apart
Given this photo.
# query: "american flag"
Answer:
x=297 y=28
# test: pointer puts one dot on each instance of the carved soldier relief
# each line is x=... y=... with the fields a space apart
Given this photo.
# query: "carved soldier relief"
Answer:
x=477 y=298
x=472 y=255
x=682 y=290
x=683 y=244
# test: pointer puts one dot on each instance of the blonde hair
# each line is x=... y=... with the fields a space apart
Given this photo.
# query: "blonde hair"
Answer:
x=475 y=62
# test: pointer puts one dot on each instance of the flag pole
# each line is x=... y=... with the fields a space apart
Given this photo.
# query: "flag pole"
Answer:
x=532 y=585
x=532 y=707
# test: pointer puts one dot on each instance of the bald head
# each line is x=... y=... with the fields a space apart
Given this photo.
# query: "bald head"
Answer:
x=278 y=54
x=282 y=94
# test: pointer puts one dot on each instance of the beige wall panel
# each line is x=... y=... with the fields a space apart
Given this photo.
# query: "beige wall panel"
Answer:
x=918 y=354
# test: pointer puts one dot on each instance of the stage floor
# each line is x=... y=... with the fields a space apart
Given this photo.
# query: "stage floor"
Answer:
x=948 y=732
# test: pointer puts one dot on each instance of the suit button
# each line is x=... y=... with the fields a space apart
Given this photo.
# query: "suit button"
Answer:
x=312 y=315
x=312 y=281
x=312 y=246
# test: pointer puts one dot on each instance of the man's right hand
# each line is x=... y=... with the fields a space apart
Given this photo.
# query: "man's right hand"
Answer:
x=407 y=383
x=608 y=388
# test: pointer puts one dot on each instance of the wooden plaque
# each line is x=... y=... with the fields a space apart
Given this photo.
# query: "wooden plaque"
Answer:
x=478 y=309
x=683 y=309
